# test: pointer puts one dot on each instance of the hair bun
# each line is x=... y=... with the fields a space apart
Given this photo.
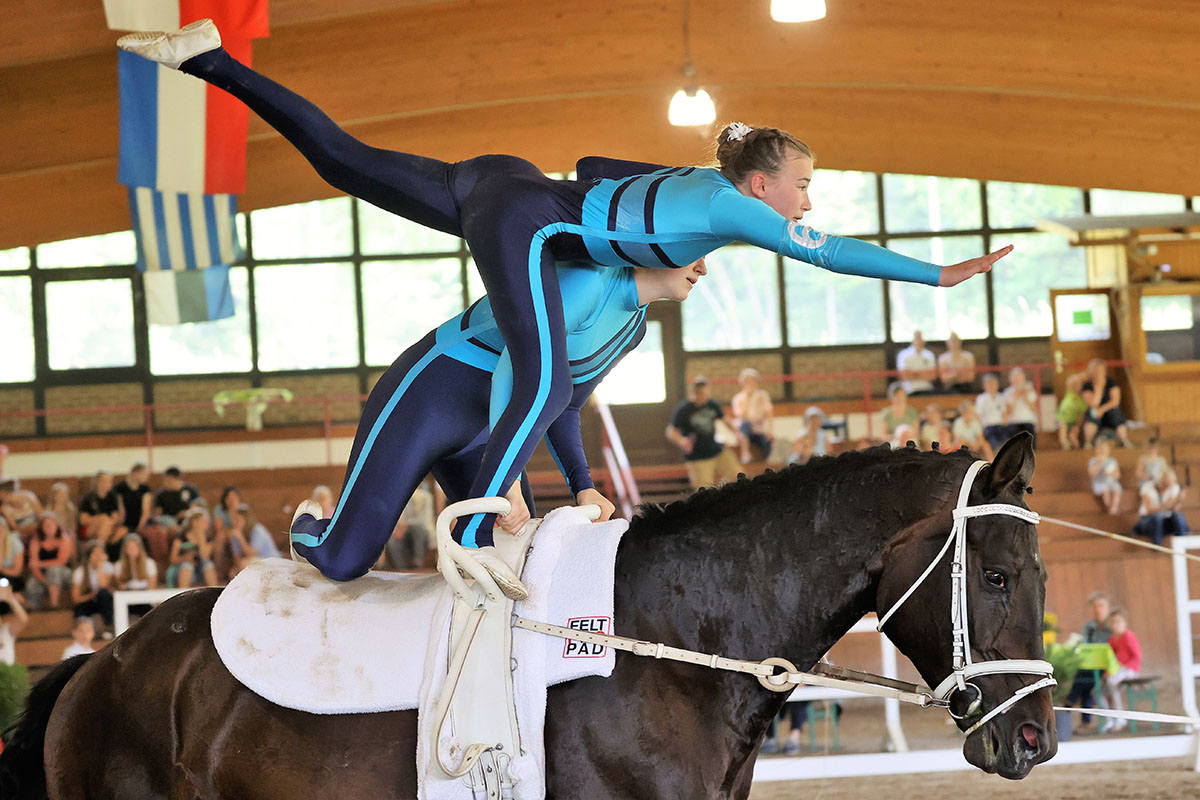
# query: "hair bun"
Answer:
x=737 y=131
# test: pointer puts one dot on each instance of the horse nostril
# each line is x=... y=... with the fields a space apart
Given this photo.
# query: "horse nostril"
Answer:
x=1030 y=734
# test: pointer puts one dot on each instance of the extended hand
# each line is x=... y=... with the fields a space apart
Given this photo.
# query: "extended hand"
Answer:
x=954 y=274
x=518 y=514
x=592 y=496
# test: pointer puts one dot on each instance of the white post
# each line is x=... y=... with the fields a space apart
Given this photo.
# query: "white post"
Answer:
x=1184 y=607
x=124 y=599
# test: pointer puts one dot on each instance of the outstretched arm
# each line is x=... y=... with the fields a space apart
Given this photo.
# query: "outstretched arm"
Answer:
x=592 y=167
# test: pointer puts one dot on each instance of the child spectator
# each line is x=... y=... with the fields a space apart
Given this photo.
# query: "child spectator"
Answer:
x=136 y=571
x=82 y=636
x=12 y=621
x=900 y=413
x=968 y=429
x=231 y=498
x=812 y=439
x=1070 y=413
x=1155 y=519
x=192 y=553
x=752 y=415
x=59 y=503
x=248 y=539
x=20 y=508
x=1021 y=402
x=1151 y=466
x=101 y=515
x=1105 y=473
x=931 y=423
x=993 y=412
x=50 y=555
x=1128 y=651
x=956 y=367
x=91 y=584
x=1169 y=490
x=12 y=559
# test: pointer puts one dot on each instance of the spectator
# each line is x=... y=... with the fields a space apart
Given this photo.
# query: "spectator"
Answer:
x=1095 y=631
x=50 y=554
x=192 y=553
x=59 y=503
x=693 y=430
x=918 y=367
x=1128 y=651
x=752 y=416
x=231 y=498
x=968 y=429
x=323 y=496
x=248 y=539
x=1021 y=404
x=956 y=367
x=82 y=636
x=1070 y=414
x=1170 y=491
x=12 y=559
x=1151 y=466
x=900 y=413
x=134 y=491
x=1105 y=473
x=993 y=412
x=1103 y=397
x=3 y=460
x=101 y=515
x=136 y=571
x=20 y=508
x=406 y=547
x=92 y=583
x=12 y=621
x=931 y=425
x=173 y=500
x=1155 y=520
x=813 y=439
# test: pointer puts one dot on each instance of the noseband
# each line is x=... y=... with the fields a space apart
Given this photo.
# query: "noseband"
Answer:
x=964 y=669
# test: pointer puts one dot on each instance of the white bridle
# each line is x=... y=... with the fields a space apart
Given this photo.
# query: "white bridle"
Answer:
x=963 y=668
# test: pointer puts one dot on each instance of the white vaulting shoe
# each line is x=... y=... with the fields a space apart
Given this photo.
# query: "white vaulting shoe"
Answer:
x=175 y=47
x=311 y=507
x=508 y=581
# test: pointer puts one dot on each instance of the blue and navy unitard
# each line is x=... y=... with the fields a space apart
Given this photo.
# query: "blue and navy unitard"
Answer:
x=434 y=407
x=518 y=223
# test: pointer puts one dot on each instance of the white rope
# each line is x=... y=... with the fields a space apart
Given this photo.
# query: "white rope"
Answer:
x=1118 y=537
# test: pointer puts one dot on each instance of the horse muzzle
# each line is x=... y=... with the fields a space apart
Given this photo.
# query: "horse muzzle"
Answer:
x=1012 y=744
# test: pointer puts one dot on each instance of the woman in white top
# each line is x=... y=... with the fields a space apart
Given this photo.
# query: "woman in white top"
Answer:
x=12 y=620
x=956 y=367
x=1020 y=399
x=91 y=585
x=752 y=415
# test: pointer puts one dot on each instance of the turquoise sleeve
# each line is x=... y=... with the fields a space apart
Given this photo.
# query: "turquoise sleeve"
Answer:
x=734 y=216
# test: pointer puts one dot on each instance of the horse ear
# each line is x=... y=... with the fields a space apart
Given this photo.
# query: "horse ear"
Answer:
x=1013 y=465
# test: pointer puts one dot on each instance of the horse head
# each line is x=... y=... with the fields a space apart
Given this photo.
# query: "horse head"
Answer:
x=1004 y=585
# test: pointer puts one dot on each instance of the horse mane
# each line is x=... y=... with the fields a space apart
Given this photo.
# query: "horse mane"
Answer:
x=817 y=472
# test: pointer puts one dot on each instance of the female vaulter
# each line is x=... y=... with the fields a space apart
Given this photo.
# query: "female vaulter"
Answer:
x=518 y=223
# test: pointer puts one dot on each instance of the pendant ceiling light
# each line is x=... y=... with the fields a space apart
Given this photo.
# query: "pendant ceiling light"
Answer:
x=797 y=10
x=691 y=105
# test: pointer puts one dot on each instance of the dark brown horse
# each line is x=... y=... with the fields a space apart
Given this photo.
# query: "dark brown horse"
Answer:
x=782 y=565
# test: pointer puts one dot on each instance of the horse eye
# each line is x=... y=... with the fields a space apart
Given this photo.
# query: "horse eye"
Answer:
x=995 y=578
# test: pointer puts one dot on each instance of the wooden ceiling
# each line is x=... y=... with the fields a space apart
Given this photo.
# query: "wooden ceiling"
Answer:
x=1087 y=93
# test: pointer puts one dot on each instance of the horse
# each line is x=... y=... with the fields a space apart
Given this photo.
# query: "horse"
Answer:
x=780 y=565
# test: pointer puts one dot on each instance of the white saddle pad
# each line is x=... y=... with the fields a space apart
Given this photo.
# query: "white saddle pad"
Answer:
x=308 y=643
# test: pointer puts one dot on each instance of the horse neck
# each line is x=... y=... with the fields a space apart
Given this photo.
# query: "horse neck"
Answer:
x=762 y=575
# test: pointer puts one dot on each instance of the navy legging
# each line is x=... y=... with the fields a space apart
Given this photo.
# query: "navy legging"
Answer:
x=428 y=413
x=504 y=208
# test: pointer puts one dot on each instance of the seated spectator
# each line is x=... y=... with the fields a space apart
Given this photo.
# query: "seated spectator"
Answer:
x=931 y=425
x=1070 y=414
x=1169 y=490
x=1095 y=631
x=323 y=496
x=1155 y=520
x=101 y=515
x=410 y=538
x=1151 y=466
x=135 y=494
x=59 y=503
x=752 y=416
x=12 y=559
x=173 y=500
x=900 y=413
x=20 y=508
x=13 y=619
x=1105 y=473
x=92 y=585
x=917 y=366
x=249 y=540
x=231 y=498
x=136 y=571
x=956 y=367
x=693 y=429
x=1128 y=651
x=192 y=554
x=50 y=554
x=1021 y=404
x=1103 y=397
x=968 y=430
x=82 y=636
x=812 y=439
x=993 y=412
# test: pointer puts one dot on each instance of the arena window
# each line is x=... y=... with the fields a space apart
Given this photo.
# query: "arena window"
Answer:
x=1021 y=283
x=306 y=316
x=937 y=312
x=735 y=306
x=89 y=324
x=402 y=300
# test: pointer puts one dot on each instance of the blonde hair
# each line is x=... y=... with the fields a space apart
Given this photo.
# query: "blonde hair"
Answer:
x=129 y=568
x=760 y=150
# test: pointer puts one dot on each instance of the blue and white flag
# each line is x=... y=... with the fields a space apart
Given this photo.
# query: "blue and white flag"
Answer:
x=181 y=239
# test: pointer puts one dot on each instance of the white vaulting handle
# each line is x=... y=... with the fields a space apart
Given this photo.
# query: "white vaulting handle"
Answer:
x=590 y=510
x=452 y=555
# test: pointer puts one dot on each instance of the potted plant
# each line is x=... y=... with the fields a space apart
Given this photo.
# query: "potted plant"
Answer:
x=1065 y=660
x=255 y=400
x=14 y=686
